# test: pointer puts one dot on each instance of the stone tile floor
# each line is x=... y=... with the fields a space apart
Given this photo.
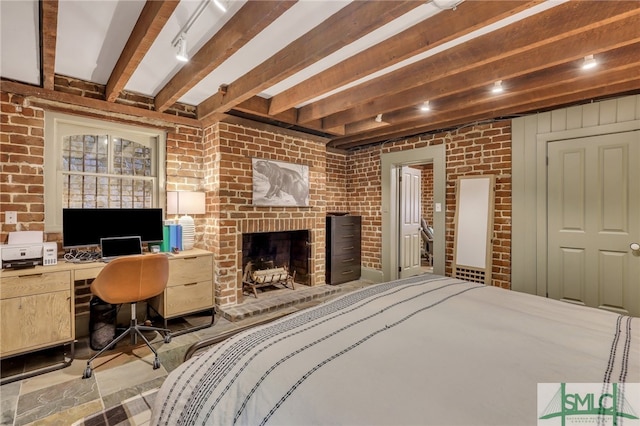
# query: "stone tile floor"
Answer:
x=62 y=397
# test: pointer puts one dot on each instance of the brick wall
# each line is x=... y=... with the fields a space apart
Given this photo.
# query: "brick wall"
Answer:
x=97 y=91
x=229 y=149
x=22 y=162
x=217 y=160
x=427 y=192
x=22 y=168
x=337 y=182
x=474 y=150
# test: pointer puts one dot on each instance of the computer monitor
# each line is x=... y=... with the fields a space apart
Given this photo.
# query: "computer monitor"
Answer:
x=85 y=227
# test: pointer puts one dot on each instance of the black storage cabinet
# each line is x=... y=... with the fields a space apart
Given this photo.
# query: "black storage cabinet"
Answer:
x=343 y=248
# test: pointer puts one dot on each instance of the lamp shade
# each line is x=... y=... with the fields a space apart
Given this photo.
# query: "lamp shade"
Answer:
x=186 y=203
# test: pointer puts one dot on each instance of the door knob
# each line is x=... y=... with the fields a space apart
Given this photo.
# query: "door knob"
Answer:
x=634 y=246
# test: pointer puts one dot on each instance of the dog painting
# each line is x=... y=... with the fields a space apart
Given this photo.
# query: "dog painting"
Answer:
x=276 y=183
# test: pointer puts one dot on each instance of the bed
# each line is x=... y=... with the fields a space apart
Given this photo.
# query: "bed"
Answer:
x=427 y=350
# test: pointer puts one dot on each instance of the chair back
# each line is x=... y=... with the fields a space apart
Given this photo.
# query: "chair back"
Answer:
x=132 y=278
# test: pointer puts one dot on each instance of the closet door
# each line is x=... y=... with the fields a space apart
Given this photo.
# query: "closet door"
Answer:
x=593 y=201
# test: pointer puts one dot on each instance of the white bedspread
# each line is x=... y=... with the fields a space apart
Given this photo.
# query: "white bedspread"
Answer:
x=426 y=350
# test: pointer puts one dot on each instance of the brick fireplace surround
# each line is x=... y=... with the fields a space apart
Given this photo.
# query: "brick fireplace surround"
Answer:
x=217 y=160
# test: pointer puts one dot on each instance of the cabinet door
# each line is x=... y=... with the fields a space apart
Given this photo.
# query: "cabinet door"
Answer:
x=35 y=321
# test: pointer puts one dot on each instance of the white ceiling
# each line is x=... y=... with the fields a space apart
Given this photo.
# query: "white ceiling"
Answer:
x=92 y=34
x=447 y=51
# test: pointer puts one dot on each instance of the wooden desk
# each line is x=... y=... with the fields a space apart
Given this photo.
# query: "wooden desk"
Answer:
x=37 y=305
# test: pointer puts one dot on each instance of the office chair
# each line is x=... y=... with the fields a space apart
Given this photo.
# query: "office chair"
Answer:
x=132 y=279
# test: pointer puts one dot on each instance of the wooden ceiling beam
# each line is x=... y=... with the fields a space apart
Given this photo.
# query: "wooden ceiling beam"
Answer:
x=563 y=51
x=560 y=22
x=49 y=22
x=428 y=34
x=597 y=93
x=552 y=95
x=80 y=103
x=622 y=60
x=248 y=22
x=259 y=107
x=152 y=19
x=347 y=25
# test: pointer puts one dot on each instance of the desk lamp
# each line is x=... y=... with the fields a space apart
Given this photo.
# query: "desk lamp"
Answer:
x=186 y=203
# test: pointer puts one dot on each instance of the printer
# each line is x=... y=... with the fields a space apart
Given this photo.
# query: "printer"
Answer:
x=26 y=249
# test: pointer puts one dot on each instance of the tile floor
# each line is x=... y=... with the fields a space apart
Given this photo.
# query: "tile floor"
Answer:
x=62 y=397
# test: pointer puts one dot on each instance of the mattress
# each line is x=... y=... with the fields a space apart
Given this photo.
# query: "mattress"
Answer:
x=426 y=350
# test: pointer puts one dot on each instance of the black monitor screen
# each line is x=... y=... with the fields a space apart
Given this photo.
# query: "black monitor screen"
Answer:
x=85 y=227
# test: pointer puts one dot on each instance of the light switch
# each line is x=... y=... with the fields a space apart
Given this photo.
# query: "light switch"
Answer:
x=11 y=218
x=438 y=207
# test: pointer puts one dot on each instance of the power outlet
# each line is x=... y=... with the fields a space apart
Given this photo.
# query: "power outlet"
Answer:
x=11 y=218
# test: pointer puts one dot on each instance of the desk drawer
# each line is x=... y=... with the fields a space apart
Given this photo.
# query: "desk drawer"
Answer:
x=87 y=273
x=190 y=270
x=188 y=298
x=31 y=284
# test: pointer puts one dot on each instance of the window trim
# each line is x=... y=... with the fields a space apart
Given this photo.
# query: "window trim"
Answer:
x=58 y=125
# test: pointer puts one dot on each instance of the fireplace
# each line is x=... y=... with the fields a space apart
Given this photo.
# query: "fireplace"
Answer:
x=288 y=249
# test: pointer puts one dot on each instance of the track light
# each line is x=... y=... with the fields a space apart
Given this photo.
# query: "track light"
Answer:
x=446 y=4
x=425 y=106
x=182 y=54
x=378 y=118
x=589 y=62
x=497 y=87
x=180 y=40
x=220 y=5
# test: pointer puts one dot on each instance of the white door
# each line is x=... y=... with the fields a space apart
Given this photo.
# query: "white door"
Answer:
x=410 y=190
x=593 y=192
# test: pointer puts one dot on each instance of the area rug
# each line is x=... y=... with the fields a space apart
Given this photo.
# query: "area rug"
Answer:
x=135 y=411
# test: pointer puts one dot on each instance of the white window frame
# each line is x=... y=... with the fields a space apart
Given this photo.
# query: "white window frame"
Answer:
x=58 y=125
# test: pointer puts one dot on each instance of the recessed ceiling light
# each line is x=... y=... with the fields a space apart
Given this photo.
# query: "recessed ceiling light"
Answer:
x=497 y=87
x=589 y=62
x=425 y=106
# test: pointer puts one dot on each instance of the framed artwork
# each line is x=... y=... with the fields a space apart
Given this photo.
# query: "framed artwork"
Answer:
x=276 y=183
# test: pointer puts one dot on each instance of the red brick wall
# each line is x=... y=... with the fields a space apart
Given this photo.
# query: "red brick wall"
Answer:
x=474 y=150
x=21 y=161
x=229 y=149
x=427 y=193
x=337 y=182
x=218 y=161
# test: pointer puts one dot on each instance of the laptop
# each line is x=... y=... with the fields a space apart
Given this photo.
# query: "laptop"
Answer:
x=114 y=247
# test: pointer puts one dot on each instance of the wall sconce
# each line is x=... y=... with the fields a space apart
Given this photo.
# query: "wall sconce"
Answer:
x=186 y=203
x=378 y=118
x=497 y=87
x=425 y=106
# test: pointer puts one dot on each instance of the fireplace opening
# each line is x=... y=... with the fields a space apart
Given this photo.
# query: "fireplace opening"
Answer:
x=285 y=249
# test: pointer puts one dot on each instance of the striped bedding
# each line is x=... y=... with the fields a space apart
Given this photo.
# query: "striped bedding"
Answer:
x=423 y=350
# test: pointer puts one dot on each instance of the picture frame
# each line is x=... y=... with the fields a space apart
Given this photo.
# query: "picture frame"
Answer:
x=278 y=183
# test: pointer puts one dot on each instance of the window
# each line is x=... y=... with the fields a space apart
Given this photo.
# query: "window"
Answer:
x=91 y=164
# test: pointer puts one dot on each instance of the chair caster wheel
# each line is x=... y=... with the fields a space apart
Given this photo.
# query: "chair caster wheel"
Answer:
x=167 y=338
x=156 y=363
x=87 y=373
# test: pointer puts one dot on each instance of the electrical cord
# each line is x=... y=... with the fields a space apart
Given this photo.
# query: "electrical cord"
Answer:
x=79 y=256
